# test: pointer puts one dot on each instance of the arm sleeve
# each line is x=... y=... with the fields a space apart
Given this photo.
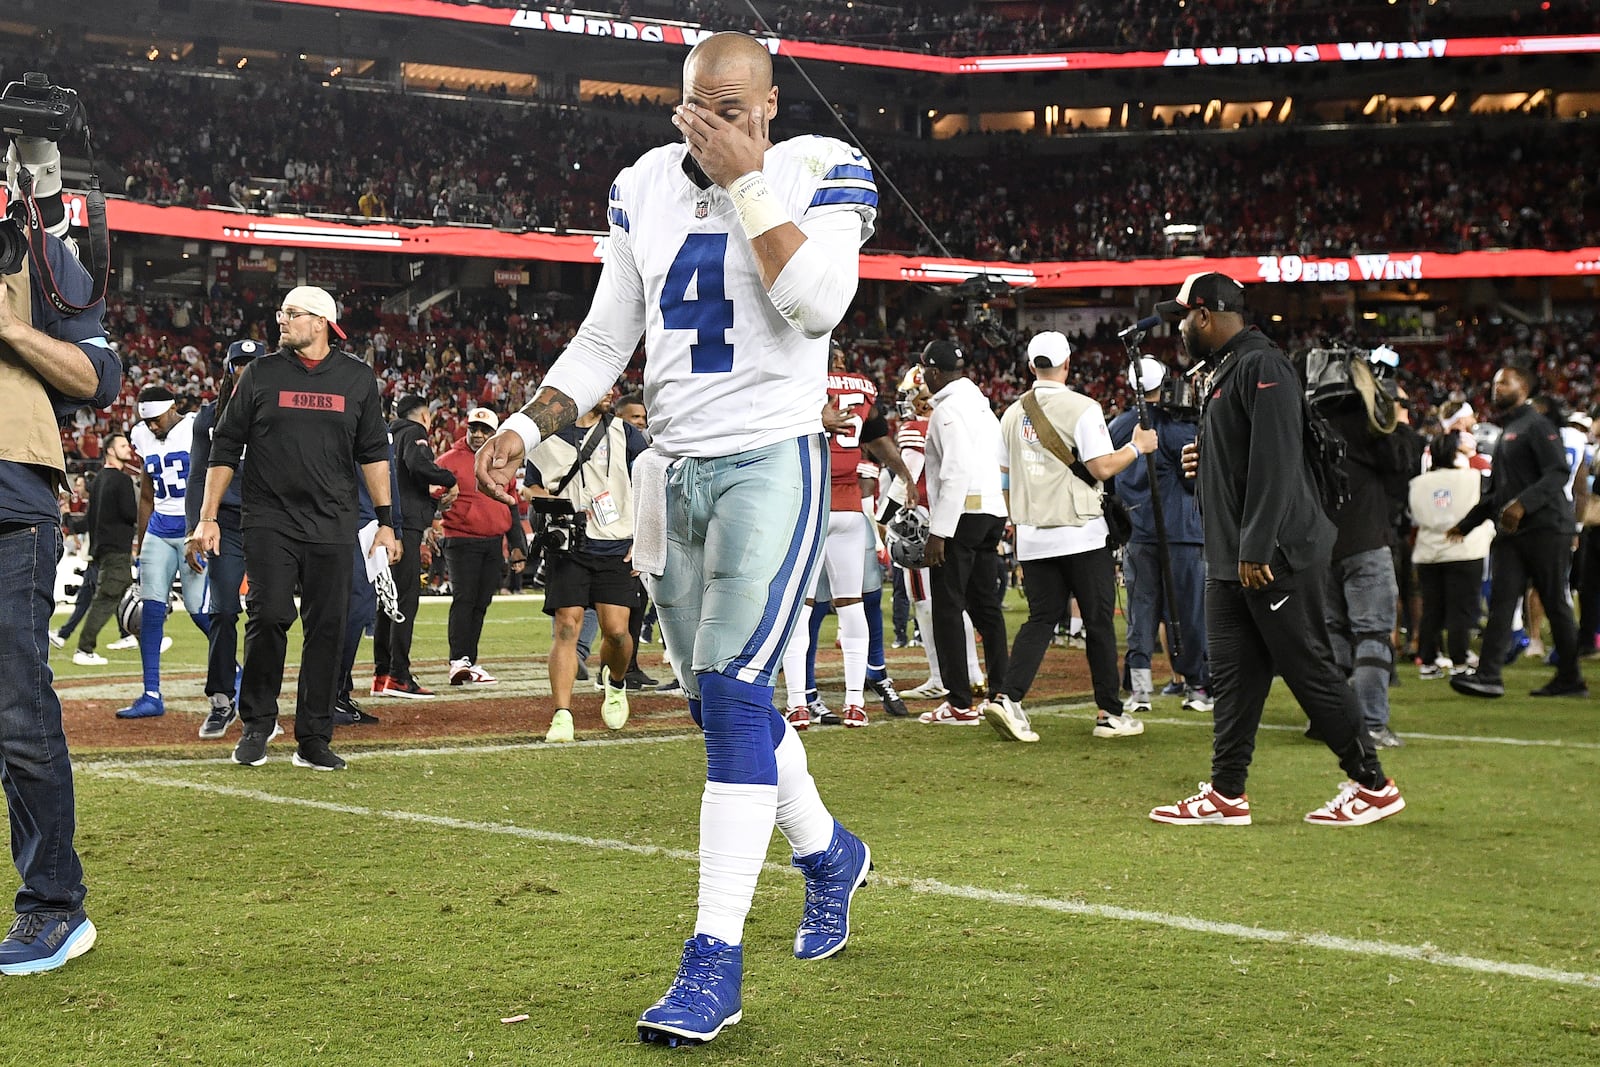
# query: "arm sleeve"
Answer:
x=517 y=536
x=1277 y=455
x=232 y=431
x=603 y=345
x=372 y=436
x=394 y=490
x=814 y=289
x=950 y=495
x=199 y=455
x=1551 y=488
x=874 y=428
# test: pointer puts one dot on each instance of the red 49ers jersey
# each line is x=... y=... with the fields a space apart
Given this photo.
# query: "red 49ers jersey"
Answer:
x=857 y=397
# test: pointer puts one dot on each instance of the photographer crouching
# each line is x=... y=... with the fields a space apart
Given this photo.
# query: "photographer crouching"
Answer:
x=586 y=534
x=54 y=359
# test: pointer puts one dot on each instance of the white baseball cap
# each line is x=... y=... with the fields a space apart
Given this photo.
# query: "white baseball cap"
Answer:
x=485 y=416
x=318 y=302
x=1151 y=374
x=1049 y=348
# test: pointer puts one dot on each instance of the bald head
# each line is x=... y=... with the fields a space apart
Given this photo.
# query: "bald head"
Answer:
x=729 y=56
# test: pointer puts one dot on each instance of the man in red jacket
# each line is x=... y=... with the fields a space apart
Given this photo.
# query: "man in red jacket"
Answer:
x=475 y=530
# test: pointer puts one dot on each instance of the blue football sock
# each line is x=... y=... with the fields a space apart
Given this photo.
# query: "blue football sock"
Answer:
x=818 y=610
x=872 y=601
x=152 y=624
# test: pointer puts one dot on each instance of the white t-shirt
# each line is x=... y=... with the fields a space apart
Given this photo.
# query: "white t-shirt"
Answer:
x=1035 y=542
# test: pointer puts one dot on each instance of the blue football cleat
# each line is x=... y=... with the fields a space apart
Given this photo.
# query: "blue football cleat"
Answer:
x=832 y=878
x=43 y=941
x=147 y=706
x=1519 y=643
x=704 y=996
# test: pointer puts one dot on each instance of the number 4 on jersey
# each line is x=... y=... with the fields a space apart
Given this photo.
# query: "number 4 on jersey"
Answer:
x=699 y=264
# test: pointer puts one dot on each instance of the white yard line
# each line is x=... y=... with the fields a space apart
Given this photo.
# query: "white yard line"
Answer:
x=1424 y=953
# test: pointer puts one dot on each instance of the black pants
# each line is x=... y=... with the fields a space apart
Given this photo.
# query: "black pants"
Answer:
x=475 y=567
x=114 y=577
x=1588 y=584
x=224 y=575
x=274 y=564
x=1253 y=634
x=636 y=622
x=1050 y=584
x=391 y=641
x=80 y=607
x=969 y=581
x=1516 y=562
x=1449 y=603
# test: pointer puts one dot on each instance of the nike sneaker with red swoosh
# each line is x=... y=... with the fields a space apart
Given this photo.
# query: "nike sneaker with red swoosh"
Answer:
x=1356 y=805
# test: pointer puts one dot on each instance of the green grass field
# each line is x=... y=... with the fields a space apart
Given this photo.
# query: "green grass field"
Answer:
x=1024 y=910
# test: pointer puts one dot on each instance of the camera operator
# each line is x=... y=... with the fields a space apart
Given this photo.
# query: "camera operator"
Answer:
x=52 y=362
x=1148 y=602
x=1357 y=395
x=588 y=548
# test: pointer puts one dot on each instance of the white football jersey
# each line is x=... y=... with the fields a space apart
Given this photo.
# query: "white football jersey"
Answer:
x=724 y=371
x=166 y=461
x=1575 y=444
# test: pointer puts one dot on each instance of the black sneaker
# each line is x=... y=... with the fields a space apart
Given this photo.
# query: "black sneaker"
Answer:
x=637 y=679
x=346 y=712
x=583 y=673
x=1475 y=686
x=892 y=704
x=1173 y=688
x=317 y=756
x=218 y=721
x=251 y=751
x=1557 y=688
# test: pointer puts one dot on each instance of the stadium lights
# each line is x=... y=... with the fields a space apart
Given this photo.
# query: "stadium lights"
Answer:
x=1179 y=229
x=1449 y=102
x=1283 y=112
x=1372 y=105
x=242 y=61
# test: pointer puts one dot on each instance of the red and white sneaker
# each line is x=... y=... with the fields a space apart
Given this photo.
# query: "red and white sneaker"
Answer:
x=460 y=671
x=945 y=715
x=1356 y=805
x=1207 y=807
x=799 y=718
x=478 y=676
x=379 y=684
x=854 y=715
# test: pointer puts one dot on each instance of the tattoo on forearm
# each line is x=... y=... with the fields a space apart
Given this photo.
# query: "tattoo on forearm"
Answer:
x=551 y=410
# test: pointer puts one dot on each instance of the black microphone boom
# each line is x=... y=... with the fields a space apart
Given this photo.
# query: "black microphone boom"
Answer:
x=1144 y=325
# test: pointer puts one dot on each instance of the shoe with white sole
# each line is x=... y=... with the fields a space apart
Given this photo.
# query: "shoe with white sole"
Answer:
x=57 y=641
x=799 y=717
x=89 y=659
x=945 y=715
x=705 y=995
x=614 y=704
x=1206 y=808
x=1197 y=699
x=479 y=676
x=560 y=727
x=42 y=941
x=854 y=715
x=928 y=690
x=460 y=671
x=1356 y=805
x=1118 y=726
x=1008 y=719
x=122 y=644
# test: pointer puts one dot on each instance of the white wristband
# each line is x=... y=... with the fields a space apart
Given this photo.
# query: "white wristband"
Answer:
x=524 y=428
x=759 y=210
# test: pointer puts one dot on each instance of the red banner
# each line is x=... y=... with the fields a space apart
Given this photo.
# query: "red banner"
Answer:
x=684 y=35
x=289 y=231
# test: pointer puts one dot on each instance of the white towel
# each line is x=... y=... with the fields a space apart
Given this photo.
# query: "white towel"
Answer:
x=650 y=512
x=376 y=561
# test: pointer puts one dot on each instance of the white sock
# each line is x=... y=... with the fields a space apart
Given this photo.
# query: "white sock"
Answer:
x=1075 y=625
x=925 y=624
x=802 y=817
x=794 y=659
x=854 y=639
x=735 y=828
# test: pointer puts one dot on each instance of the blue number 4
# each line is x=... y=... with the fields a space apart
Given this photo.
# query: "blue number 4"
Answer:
x=710 y=314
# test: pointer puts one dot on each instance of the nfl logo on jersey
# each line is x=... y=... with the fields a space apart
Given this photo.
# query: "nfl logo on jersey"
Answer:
x=701 y=209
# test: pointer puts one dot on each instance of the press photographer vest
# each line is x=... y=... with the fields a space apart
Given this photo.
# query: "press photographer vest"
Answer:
x=606 y=470
x=1044 y=491
x=29 y=432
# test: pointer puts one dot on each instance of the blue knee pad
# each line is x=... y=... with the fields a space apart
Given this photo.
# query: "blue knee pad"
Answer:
x=738 y=724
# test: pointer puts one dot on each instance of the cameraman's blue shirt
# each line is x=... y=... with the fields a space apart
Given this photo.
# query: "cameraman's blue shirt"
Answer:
x=27 y=491
x=1177 y=495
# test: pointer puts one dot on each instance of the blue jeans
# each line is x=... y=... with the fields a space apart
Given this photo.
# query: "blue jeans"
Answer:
x=1141 y=572
x=36 y=771
x=1360 y=609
